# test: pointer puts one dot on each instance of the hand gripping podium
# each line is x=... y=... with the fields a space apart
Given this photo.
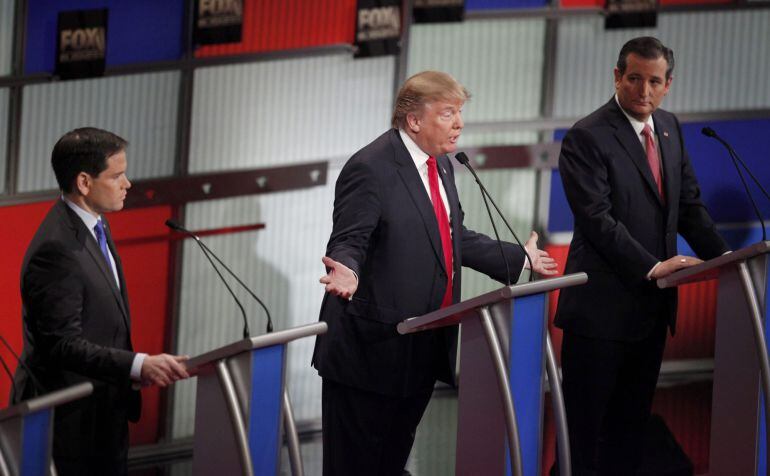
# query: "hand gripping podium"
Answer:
x=241 y=402
x=739 y=408
x=26 y=432
x=504 y=346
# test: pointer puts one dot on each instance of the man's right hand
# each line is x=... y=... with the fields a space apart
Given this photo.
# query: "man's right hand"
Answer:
x=340 y=280
x=674 y=264
x=163 y=369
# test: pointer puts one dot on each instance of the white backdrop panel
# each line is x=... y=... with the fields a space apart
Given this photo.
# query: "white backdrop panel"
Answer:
x=141 y=108
x=288 y=111
x=722 y=61
x=499 y=61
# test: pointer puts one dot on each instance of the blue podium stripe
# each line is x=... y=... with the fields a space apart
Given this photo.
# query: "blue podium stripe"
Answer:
x=265 y=408
x=526 y=376
x=35 y=443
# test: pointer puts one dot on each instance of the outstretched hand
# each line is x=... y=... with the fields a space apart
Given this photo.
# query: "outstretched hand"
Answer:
x=542 y=262
x=340 y=280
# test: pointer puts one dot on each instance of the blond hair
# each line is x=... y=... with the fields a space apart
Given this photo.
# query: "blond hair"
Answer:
x=424 y=88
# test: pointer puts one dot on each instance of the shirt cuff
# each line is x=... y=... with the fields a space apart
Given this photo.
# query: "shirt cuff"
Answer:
x=136 y=367
x=649 y=273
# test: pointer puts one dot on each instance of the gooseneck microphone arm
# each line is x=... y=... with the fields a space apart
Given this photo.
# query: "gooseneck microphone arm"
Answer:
x=709 y=132
x=463 y=159
x=174 y=226
x=10 y=375
x=39 y=390
x=269 y=327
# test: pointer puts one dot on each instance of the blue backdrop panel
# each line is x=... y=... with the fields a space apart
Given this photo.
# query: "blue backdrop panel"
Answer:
x=559 y=214
x=471 y=5
x=762 y=453
x=137 y=30
x=721 y=189
x=265 y=408
x=526 y=376
x=34 y=443
x=720 y=186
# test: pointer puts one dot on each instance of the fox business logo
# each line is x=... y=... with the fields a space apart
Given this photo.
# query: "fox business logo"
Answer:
x=82 y=44
x=378 y=23
x=215 y=13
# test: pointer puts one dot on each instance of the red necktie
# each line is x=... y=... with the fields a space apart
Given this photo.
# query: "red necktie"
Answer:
x=443 y=227
x=652 y=158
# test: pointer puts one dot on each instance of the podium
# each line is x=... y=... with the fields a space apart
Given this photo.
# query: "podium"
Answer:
x=241 y=402
x=26 y=432
x=504 y=354
x=739 y=411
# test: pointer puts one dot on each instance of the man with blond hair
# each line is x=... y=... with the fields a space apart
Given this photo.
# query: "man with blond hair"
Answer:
x=395 y=251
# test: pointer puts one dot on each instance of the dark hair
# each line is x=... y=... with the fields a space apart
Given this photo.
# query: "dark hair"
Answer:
x=83 y=150
x=648 y=48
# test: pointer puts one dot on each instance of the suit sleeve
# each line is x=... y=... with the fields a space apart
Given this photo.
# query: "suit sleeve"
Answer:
x=695 y=223
x=356 y=214
x=53 y=296
x=585 y=177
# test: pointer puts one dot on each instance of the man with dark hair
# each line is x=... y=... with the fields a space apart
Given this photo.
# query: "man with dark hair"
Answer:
x=631 y=188
x=76 y=319
x=395 y=251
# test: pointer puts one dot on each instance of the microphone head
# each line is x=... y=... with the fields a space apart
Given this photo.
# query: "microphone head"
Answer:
x=708 y=132
x=462 y=158
x=174 y=225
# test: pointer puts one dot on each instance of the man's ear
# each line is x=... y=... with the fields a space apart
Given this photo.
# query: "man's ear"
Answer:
x=83 y=183
x=413 y=122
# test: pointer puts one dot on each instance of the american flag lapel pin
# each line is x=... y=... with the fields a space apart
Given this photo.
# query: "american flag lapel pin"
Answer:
x=665 y=133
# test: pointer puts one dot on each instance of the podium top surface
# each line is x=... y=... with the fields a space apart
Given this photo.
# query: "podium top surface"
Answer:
x=48 y=400
x=265 y=340
x=452 y=315
x=710 y=269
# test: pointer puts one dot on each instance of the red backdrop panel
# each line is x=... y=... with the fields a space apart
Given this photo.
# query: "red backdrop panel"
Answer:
x=288 y=24
x=146 y=270
x=19 y=225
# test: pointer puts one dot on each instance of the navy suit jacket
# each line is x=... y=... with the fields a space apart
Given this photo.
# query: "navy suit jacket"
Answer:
x=622 y=225
x=386 y=231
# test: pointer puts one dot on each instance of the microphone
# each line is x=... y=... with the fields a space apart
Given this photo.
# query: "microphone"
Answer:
x=208 y=253
x=709 y=132
x=463 y=159
x=35 y=383
x=10 y=376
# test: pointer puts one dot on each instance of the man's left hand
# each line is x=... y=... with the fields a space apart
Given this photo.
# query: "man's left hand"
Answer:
x=542 y=263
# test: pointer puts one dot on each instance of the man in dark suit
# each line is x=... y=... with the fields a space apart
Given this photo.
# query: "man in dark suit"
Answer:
x=76 y=319
x=631 y=188
x=395 y=251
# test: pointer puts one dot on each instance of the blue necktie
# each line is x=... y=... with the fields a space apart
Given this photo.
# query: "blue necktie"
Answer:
x=101 y=237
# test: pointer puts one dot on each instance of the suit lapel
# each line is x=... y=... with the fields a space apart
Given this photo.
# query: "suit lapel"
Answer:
x=627 y=138
x=89 y=243
x=411 y=178
x=119 y=269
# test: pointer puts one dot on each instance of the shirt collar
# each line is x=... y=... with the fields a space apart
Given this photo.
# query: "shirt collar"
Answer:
x=418 y=156
x=636 y=123
x=88 y=219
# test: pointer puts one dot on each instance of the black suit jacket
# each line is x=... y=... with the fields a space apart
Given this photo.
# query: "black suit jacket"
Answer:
x=386 y=231
x=623 y=227
x=76 y=326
